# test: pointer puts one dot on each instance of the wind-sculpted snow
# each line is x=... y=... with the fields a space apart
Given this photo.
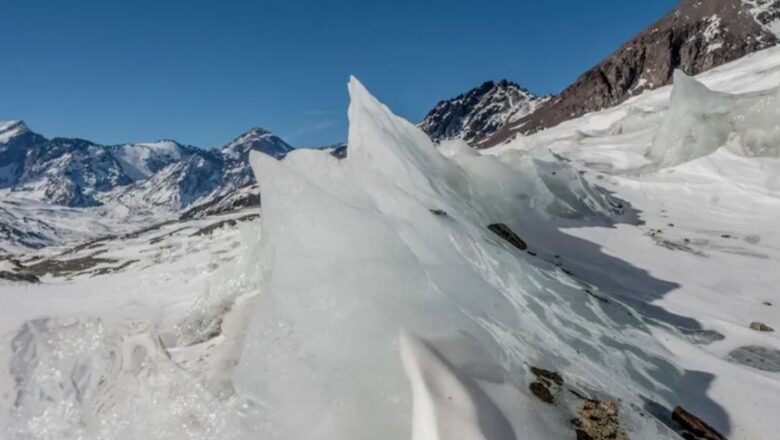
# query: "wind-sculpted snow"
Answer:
x=393 y=240
x=700 y=121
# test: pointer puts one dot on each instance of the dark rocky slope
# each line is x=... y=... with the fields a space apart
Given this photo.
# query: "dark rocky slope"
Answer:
x=696 y=36
x=480 y=112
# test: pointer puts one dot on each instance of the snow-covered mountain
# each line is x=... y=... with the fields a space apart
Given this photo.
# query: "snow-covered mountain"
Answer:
x=70 y=172
x=140 y=161
x=164 y=174
x=694 y=37
x=175 y=186
x=237 y=173
x=46 y=185
x=480 y=112
x=202 y=176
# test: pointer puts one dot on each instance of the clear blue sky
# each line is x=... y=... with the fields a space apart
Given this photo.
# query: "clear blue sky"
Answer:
x=203 y=72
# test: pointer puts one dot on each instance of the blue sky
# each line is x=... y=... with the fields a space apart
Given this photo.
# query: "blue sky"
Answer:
x=203 y=72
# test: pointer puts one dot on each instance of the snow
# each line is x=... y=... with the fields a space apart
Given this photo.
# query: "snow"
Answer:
x=712 y=34
x=371 y=300
x=115 y=356
x=699 y=161
x=760 y=8
x=27 y=224
x=11 y=129
x=140 y=161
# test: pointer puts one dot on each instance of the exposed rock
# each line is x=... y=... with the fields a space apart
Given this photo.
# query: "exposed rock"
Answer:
x=245 y=197
x=541 y=391
x=598 y=420
x=480 y=112
x=62 y=268
x=547 y=385
x=208 y=230
x=696 y=36
x=12 y=270
x=20 y=277
x=547 y=376
x=760 y=327
x=692 y=427
x=507 y=234
x=339 y=151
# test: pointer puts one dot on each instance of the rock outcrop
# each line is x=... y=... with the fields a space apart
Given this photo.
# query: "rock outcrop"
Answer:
x=479 y=113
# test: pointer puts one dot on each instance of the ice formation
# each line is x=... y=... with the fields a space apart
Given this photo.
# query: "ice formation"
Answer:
x=700 y=120
x=391 y=240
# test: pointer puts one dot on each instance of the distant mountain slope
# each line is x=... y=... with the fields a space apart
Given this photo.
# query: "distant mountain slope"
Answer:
x=140 y=161
x=236 y=172
x=142 y=176
x=696 y=36
x=480 y=112
x=15 y=141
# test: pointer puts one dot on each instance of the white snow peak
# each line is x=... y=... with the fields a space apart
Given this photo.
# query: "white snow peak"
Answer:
x=11 y=129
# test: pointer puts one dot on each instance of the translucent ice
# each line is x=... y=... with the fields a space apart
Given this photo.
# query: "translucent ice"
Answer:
x=394 y=237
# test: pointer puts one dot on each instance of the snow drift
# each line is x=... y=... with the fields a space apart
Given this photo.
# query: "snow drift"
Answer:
x=393 y=241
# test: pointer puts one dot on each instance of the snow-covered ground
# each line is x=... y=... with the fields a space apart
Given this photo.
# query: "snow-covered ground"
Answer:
x=27 y=224
x=705 y=178
x=410 y=292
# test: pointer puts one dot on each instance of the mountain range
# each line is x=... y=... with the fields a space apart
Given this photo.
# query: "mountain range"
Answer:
x=166 y=179
x=163 y=174
x=696 y=36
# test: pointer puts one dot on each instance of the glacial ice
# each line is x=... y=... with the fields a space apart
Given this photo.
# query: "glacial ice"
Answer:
x=700 y=121
x=393 y=240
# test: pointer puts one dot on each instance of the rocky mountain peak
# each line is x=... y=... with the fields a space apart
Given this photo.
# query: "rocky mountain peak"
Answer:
x=696 y=36
x=11 y=129
x=258 y=139
x=480 y=112
x=766 y=13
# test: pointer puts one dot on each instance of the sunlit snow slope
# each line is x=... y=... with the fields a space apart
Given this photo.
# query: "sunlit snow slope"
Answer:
x=700 y=162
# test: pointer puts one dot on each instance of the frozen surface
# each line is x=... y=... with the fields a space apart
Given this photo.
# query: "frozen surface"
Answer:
x=378 y=304
x=702 y=171
x=352 y=246
x=700 y=121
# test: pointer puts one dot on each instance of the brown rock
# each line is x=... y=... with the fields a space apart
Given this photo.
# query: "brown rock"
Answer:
x=547 y=376
x=598 y=420
x=760 y=327
x=694 y=425
x=541 y=391
x=507 y=234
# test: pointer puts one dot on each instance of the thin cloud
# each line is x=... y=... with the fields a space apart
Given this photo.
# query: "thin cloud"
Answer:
x=309 y=129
